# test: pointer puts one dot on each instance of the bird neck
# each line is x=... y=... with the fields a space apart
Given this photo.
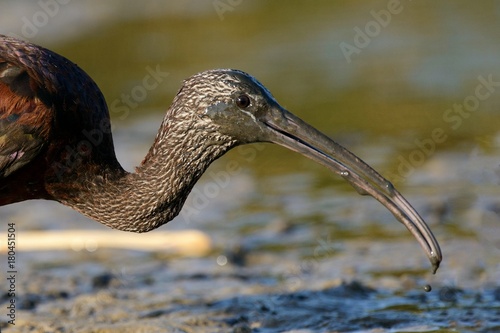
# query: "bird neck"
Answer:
x=155 y=193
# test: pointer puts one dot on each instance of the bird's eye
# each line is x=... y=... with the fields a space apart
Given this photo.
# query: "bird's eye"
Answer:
x=243 y=101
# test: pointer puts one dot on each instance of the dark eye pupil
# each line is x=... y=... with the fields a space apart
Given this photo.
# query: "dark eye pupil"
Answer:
x=243 y=101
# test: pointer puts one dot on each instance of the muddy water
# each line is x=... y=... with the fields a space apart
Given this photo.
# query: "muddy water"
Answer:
x=295 y=249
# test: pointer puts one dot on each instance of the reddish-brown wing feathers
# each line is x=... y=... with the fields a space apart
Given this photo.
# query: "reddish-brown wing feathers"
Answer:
x=24 y=119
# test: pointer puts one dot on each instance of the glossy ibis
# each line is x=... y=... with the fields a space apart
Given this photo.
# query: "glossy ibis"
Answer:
x=56 y=143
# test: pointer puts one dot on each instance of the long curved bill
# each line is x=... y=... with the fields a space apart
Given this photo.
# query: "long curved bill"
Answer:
x=293 y=133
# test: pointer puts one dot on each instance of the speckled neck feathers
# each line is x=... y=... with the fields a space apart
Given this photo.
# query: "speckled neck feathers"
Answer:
x=186 y=144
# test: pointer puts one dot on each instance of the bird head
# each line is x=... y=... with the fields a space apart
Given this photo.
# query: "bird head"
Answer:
x=237 y=107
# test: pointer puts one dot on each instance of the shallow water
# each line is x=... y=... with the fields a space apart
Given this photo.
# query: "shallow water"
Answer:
x=304 y=252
